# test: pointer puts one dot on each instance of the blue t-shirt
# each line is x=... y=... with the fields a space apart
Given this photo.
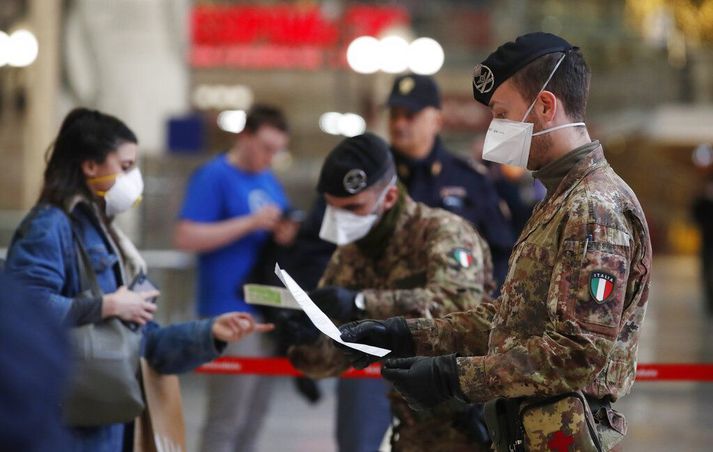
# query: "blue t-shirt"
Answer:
x=219 y=191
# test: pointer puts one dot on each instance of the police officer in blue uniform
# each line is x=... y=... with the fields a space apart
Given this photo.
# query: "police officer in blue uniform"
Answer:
x=436 y=177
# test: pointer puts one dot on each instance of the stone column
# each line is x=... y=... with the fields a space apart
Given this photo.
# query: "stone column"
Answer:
x=41 y=93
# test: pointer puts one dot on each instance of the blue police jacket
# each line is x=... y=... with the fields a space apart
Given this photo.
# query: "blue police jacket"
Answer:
x=446 y=181
x=43 y=257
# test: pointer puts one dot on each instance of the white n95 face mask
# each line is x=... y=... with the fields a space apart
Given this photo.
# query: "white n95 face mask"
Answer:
x=125 y=193
x=508 y=142
x=341 y=227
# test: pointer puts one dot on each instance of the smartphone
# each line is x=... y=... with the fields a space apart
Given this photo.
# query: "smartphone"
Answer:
x=142 y=283
x=295 y=215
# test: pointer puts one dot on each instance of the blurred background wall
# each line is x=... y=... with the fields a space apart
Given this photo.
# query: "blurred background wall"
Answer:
x=181 y=73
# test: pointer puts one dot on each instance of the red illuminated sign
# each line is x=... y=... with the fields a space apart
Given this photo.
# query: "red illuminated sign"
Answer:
x=283 y=36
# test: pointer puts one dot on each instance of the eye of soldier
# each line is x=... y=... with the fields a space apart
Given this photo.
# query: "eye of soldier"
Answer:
x=499 y=114
x=352 y=207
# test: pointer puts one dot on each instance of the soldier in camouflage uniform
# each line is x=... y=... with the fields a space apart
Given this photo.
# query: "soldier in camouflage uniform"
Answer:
x=414 y=261
x=559 y=345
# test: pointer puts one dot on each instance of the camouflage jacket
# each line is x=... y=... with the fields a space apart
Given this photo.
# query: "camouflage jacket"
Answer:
x=435 y=263
x=572 y=305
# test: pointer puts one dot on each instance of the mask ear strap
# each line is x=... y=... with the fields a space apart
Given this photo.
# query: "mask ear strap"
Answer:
x=527 y=113
x=382 y=196
x=552 y=129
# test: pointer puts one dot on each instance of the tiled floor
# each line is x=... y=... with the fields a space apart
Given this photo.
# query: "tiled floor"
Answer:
x=661 y=416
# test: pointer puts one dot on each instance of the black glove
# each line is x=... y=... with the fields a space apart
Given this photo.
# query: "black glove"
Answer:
x=392 y=334
x=424 y=382
x=297 y=329
x=336 y=302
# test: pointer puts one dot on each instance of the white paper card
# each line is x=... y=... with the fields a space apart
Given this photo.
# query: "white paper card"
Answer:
x=319 y=318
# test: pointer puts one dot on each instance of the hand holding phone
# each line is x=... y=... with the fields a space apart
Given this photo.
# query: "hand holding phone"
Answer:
x=142 y=283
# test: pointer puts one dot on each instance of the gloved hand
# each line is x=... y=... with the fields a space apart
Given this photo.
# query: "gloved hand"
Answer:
x=392 y=333
x=424 y=382
x=297 y=329
x=336 y=302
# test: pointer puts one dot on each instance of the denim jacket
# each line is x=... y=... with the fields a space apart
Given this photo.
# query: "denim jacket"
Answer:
x=43 y=256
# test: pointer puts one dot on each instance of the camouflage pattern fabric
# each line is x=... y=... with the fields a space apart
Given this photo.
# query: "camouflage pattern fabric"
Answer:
x=560 y=426
x=434 y=263
x=572 y=305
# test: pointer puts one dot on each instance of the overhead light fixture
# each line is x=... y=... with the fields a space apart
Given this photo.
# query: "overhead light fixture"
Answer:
x=219 y=97
x=23 y=48
x=362 y=55
x=425 y=56
x=346 y=124
x=232 y=121
x=393 y=55
x=329 y=122
x=351 y=125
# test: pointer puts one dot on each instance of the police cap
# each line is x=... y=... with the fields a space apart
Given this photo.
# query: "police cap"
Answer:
x=510 y=58
x=414 y=92
x=354 y=165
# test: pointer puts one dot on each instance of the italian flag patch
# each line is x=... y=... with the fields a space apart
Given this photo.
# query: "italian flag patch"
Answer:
x=463 y=257
x=601 y=286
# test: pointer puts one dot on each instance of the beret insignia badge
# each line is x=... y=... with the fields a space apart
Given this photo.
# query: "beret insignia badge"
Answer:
x=354 y=181
x=483 y=79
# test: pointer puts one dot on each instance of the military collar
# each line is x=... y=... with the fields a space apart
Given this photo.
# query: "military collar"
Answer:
x=588 y=163
x=542 y=213
x=552 y=174
x=406 y=166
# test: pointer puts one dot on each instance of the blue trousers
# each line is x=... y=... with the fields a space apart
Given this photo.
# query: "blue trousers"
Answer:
x=363 y=414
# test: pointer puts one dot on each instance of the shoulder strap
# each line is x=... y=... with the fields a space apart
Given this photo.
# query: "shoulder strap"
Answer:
x=88 y=279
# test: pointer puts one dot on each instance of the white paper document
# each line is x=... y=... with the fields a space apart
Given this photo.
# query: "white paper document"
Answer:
x=319 y=318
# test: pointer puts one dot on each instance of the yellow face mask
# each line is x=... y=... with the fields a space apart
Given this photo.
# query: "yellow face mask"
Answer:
x=100 y=179
x=124 y=194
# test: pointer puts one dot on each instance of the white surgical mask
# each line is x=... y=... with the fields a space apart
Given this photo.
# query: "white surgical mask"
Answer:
x=341 y=227
x=125 y=193
x=508 y=142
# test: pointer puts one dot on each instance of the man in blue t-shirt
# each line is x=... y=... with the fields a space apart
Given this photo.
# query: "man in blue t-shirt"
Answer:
x=233 y=205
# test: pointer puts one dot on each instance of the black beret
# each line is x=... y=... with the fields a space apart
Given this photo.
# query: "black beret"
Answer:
x=414 y=92
x=510 y=58
x=354 y=165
